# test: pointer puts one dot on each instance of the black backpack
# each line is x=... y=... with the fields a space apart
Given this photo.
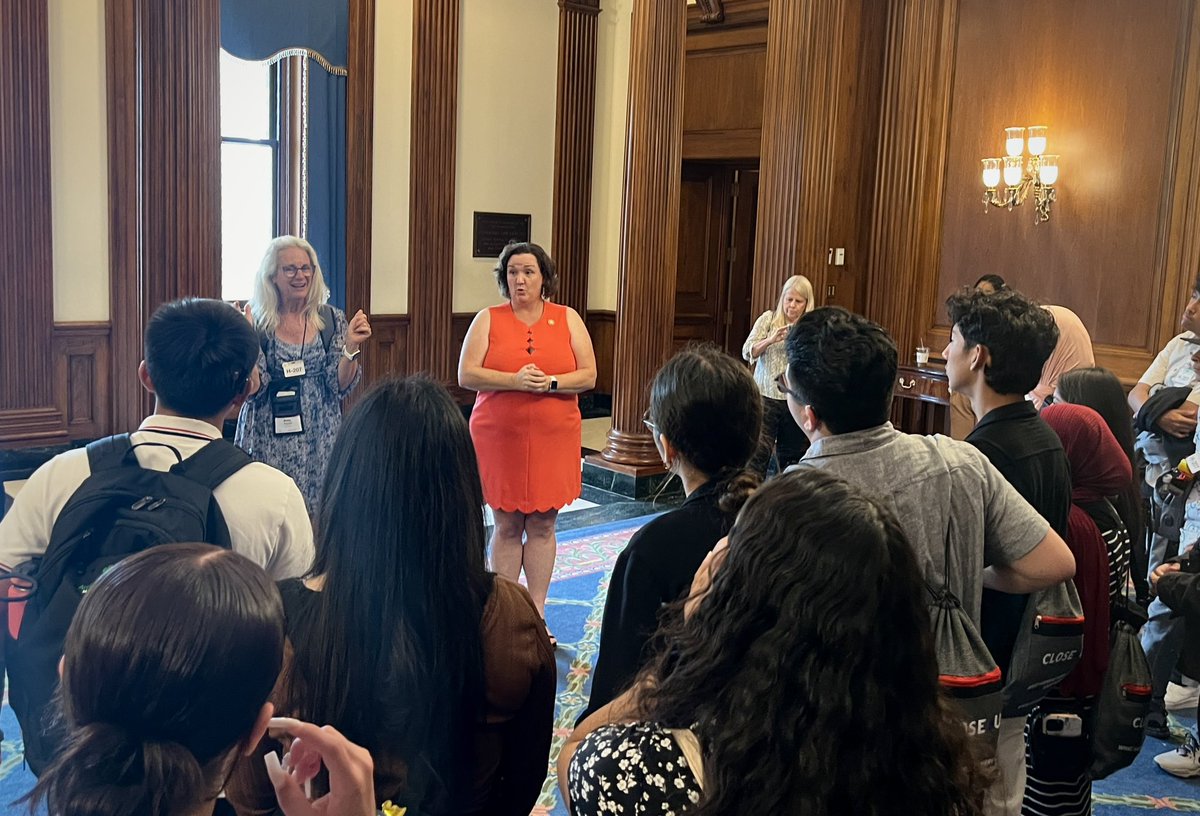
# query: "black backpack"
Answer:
x=120 y=509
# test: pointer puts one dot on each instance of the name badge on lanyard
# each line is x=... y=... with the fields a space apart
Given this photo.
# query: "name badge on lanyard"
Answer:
x=285 y=408
x=293 y=368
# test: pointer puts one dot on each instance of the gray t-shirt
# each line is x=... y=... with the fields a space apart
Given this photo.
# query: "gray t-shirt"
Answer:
x=932 y=482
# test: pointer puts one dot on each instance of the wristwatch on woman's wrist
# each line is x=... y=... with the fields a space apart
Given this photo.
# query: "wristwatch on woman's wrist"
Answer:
x=351 y=355
x=554 y=383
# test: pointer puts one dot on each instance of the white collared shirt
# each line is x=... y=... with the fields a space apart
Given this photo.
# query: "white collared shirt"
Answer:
x=263 y=508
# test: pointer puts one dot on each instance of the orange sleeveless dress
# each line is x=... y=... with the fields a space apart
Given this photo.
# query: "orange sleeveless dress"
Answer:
x=528 y=445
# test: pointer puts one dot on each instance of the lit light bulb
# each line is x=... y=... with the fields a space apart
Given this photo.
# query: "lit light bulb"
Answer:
x=1014 y=141
x=1037 y=140
x=1048 y=172
x=991 y=173
x=1013 y=171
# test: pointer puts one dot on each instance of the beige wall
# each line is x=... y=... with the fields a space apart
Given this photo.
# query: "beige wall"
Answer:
x=79 y=159
x=507 y=70
x=390 y=170
x=608 y=169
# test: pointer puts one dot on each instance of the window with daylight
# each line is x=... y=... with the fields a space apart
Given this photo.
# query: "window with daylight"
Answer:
x=249 y=158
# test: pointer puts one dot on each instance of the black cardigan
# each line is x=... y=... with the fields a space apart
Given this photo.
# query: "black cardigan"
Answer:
x=655 y=568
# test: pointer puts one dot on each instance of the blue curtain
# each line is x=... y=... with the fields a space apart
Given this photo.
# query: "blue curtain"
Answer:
x=260 y=29
x=257 y=29
x=326 y=222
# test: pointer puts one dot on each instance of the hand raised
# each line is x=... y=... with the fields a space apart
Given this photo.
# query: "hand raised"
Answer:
x=358 y=331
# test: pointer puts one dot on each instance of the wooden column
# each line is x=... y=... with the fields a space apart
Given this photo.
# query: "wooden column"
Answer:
x=360 y=124
x=574 y=136
x=28 y=415
x=431 y=197
x=905 y=237
x=801 y=110
x=164 y=172
x=649 y=224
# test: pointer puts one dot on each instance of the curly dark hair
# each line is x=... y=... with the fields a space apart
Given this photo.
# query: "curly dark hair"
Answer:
x=844 y=367
x=808 y=670
x=545 y=263
x=1019 y=335
x=698 y=391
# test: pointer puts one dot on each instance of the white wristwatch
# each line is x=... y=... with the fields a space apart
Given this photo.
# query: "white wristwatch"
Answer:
x=349 y=356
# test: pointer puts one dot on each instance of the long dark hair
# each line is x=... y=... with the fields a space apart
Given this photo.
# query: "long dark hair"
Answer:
x=167 y=665
x=1099 y=389
x=395 y=660
x=707 y=405
x=808 y=671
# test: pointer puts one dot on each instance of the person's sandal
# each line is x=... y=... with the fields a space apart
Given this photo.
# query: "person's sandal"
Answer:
x=549 y=634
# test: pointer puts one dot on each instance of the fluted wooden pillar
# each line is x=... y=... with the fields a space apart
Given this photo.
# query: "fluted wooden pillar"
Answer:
x=914 y=120
x=799 y=119
x=164 y=172
x=431 y=196
x=649 y=223
x=27 y=412
x=360 y=128
x=574 y=136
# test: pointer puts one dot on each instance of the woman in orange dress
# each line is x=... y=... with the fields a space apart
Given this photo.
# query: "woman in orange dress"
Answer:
x=528 y=359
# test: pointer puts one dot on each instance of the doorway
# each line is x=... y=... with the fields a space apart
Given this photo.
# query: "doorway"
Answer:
x=718 y=210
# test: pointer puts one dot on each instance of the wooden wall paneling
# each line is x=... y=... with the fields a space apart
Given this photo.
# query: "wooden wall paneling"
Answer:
x=732 y=14
x=723 y=92
x=913 y=129
x=649 y=224
x=602 y=326
x=574 y=138
x=164 y=172
x=431 y=197
x=787 y=135
x=858 y=86
x=389 y=347
x=1179 y=236
x=720 y=145
x=28 y=414
x=81 y=369
x=360 y=128
x=1104 y=251
x=823 y=86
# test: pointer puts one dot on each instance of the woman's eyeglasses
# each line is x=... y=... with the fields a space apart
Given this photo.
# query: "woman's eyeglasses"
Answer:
x=291 y=270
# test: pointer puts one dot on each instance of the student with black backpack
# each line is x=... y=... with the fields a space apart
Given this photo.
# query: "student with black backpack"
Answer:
x=174 y=479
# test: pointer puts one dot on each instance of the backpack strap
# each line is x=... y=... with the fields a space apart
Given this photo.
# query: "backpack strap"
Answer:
x=213 y=464
x=330 y=321
x=109 y=452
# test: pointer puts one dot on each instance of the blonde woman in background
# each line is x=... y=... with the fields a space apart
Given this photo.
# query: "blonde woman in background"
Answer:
x=764 y=348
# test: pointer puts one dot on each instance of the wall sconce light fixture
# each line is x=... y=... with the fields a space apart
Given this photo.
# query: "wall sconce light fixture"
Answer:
x=1020 y=176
